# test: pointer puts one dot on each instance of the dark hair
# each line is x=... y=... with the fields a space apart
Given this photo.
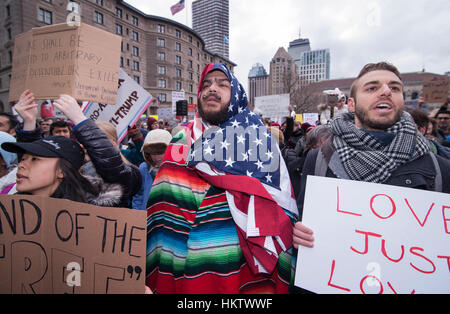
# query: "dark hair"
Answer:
x=316 y=135
x=420 y=118
x=12 y=120
x=370 y=67
x=74 y=186
x=59 y=124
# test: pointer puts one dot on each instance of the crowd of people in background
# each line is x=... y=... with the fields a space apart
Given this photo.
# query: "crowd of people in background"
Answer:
x=81 y=160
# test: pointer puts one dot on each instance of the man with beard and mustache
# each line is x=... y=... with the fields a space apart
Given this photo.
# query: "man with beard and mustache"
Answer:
x=377 y=141
x=220 y=216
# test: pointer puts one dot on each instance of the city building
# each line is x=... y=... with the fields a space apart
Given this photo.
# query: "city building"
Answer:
x=159 y=53
x=283 y=77
x=313 y=65
x=210 y=19
x=258 y=83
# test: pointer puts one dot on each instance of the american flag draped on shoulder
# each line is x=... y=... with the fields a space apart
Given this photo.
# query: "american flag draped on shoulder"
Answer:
x=241 y=157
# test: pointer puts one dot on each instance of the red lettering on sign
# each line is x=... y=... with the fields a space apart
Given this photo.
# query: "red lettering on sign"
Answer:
x=446 y=219
x=366 y=248
x=422 y=224
x=413 y=251
x=342 y=211
x=448 y=261
x=394 y=208
x=383 y=250
x=395 y=292
x=333 y=265
x=367 y=277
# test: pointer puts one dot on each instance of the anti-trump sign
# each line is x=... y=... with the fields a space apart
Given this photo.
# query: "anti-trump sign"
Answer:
x=132 y=101
x=374 y=238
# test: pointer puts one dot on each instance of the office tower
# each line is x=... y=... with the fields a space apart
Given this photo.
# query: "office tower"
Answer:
x=313 y=65
x=210 y=19
x=258 y=83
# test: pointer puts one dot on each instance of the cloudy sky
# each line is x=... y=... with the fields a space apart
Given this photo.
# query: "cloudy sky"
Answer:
x=409 y=33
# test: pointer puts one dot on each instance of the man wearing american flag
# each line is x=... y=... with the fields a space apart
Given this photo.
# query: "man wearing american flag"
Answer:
x=221 y=210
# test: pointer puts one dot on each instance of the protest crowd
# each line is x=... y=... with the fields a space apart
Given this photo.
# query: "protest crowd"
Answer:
x=221 y=217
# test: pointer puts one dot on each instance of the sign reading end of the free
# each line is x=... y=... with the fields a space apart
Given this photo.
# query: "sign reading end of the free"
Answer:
x=374 y=238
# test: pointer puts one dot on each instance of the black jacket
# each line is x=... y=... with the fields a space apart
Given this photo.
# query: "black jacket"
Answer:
x=107 y=160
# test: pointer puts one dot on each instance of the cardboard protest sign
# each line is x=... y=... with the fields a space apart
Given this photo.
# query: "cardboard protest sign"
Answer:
x=374 y=238
x=435 y=89
x=59 y=59
x=132 y=101
x=273 y=106
x=56 y=246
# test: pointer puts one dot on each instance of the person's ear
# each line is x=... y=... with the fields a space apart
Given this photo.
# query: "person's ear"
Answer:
x=351 y=104
x=59 y=174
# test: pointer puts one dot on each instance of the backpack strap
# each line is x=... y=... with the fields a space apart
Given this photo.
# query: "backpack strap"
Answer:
x=438 y=177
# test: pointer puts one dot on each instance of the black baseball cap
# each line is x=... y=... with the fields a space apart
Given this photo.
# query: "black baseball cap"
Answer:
x=52 y=146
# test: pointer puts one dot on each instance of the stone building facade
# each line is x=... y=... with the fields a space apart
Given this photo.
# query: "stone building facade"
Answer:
x=159 y=53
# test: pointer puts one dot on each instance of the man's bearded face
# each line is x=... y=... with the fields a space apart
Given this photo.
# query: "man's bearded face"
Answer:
x=215 y=98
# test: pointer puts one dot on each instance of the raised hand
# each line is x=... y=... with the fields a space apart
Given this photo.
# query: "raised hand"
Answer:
x=69 y=106
x=27 y=109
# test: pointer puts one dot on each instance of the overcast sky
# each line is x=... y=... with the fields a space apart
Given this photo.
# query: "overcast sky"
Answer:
x=409 y=33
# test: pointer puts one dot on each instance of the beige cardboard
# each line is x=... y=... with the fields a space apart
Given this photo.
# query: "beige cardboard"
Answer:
x=41 y=239
x=435 y=89
x=59 y=59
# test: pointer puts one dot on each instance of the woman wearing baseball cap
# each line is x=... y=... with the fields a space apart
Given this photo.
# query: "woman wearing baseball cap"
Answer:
x=49 y=167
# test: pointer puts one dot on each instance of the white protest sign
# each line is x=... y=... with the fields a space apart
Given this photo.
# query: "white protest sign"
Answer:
x=273 y=106
x=132 y=101
x=310 y=118
x=374 y=238
x=176 y=96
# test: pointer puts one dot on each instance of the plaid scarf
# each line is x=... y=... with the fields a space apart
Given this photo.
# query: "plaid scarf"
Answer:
x=365 y=159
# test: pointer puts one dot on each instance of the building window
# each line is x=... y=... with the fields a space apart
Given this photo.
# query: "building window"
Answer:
x=134 y=21
x=119 y=13
x=8 y=11
x=191 y=88
x=121 y=62
x=135 y=51
x=45 y=16
x=161 y=70
x=119 y=30
x=179 y=86
x=9 y=33
x=162 y=83
x=178 y=71
x=161 y=56
x=190 y=64
x=162 y=97
x=135 y=36
x=137 y=79
x=190 y=52
x=190 y=38
x=178 y=60
x=99 y=2
x=98 y=17
x=177 y=33
x=161 y=28
x=177 y=46
x=160 y=42
x=136 y=65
